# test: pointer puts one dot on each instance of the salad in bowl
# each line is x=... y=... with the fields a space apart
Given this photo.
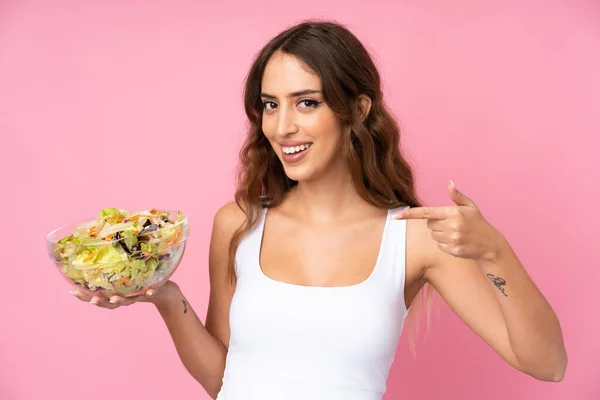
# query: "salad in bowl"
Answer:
x=120 y=252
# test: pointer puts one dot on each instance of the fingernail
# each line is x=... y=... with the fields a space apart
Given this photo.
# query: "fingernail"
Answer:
x=397 y=216
x=150 y=293
x=452 y=183
x=113 y=301
x=73 y=293
x=94 y=302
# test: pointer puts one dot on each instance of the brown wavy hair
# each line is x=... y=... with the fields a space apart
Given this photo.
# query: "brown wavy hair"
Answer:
x=381 y=175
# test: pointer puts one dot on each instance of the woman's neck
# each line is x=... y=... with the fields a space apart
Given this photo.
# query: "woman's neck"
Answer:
x=326 y=198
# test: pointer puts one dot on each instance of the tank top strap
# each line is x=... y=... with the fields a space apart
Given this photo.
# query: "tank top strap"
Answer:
x=391 y=274
x=248 y=252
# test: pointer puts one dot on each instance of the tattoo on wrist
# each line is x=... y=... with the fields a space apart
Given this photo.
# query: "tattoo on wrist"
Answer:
x=184 y=306
x=498 y=282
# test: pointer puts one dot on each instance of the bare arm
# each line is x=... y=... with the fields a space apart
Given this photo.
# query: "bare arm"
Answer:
x=493 y=295
x=202 y=354
x=533 y=328
x=203 y=348
x=514 y=318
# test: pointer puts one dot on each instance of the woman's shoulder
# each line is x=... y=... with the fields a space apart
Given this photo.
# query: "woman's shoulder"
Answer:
x=422 y=248
x=228 y=218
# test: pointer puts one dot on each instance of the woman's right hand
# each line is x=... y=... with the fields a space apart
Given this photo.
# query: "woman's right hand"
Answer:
x=159 y=297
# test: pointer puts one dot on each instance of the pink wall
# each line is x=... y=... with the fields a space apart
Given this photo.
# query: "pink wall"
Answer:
x=502 y=98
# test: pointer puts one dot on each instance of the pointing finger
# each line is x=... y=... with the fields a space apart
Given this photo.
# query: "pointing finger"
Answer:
x=425 y=213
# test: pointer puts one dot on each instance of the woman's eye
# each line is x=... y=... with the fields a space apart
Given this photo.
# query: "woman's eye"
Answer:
x=308 y=103
x=268 y=105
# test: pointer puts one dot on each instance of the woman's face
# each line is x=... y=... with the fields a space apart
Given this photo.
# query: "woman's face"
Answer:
x=304 y=132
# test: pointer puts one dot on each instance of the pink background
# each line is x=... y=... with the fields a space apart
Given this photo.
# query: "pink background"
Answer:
x=138 y=104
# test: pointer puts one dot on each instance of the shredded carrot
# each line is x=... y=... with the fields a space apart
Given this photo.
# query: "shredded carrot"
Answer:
x=147 y=255
x=176 y=237
x=122 y=281
x=114 y=218
x=172 y=241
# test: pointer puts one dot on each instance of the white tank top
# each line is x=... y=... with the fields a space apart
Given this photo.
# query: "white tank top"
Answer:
x=309 y=342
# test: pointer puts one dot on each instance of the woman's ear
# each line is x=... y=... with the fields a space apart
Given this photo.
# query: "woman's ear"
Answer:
x=364 y=105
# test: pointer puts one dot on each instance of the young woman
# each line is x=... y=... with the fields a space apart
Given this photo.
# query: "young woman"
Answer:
x=315 y=265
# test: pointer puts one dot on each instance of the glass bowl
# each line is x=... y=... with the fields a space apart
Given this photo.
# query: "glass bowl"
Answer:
x=124 y=263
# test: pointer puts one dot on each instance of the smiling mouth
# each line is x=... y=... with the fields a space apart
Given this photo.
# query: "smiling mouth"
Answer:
x=295 y=149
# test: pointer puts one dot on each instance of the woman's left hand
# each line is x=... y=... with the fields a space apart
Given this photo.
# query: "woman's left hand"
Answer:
x=459 y=230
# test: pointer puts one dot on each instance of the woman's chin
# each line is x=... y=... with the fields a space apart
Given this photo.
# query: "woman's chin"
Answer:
x=297 y=174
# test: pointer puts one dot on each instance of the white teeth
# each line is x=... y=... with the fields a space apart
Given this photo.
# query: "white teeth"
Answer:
x=295 y=149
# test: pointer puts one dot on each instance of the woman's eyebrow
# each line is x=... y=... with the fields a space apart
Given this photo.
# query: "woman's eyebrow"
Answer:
x=293 y=94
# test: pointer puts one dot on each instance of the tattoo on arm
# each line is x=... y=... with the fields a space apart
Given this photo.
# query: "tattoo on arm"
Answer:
x=499 y=282
x=184 y=306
